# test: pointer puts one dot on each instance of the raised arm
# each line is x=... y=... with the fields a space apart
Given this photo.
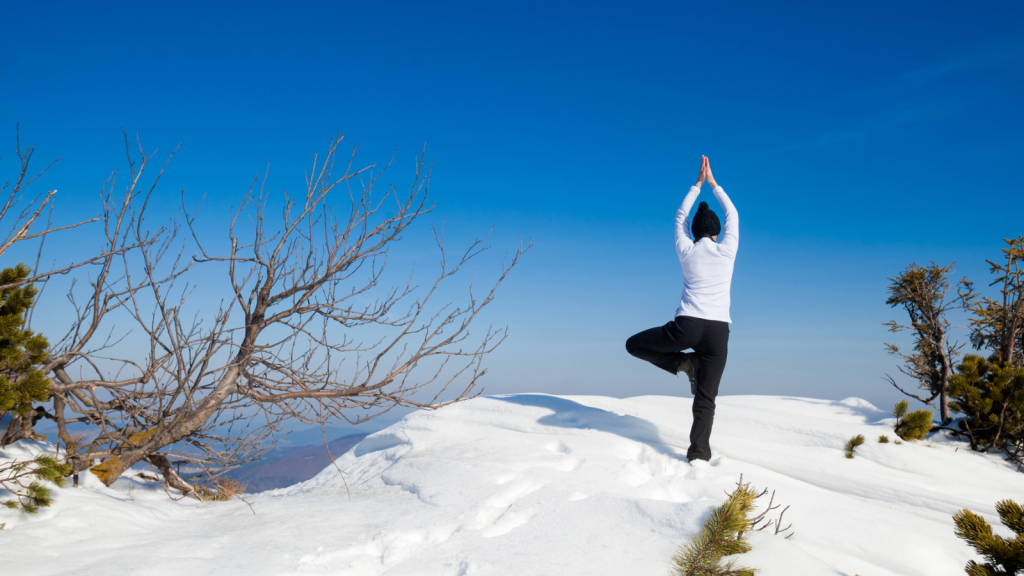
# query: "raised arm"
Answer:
x=683 y=240
x=731 y=231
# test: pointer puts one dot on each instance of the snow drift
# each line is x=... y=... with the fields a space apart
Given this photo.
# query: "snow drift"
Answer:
x=532 y=484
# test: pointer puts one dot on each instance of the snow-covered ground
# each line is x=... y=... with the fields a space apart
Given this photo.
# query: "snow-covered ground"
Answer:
x=531 y=484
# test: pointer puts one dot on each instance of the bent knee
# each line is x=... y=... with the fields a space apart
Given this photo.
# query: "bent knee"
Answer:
x=633 y=345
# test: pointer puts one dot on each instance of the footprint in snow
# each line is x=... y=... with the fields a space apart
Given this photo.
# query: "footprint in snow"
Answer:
x=558 y=446
x=565 y=464
x=508 y=522
x=496 y=516
x=700 y=469
x=715 y=461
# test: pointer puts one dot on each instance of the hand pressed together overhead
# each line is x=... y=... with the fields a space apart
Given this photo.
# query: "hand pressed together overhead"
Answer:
x=705 y=173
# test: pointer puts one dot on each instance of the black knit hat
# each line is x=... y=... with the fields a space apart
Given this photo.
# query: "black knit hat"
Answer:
x=705 y=222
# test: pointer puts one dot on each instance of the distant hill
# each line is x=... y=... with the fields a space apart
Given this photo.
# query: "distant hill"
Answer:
x=288 y=465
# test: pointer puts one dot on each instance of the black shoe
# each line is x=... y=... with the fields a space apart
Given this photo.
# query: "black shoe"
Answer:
x=690 y=365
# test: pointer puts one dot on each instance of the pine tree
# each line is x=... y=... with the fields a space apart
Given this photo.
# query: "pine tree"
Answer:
x=990 y=395
x=923 y=291
x=913 y=425
x=990 y=392
x=998 y=324
x=1003 y=556
x=21 y=351
x=21 y=384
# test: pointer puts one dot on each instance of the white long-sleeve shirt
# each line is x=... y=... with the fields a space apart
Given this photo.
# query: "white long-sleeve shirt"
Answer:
x=707 y=266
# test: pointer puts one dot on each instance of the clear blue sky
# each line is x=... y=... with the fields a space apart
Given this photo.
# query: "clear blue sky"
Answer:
x=854 y=138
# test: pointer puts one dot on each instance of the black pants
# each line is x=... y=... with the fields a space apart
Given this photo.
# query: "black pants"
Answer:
x=663 y=347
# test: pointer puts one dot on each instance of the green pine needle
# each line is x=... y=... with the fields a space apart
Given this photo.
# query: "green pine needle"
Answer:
x=720 y=536
x=28 y=481
x=1002 y=555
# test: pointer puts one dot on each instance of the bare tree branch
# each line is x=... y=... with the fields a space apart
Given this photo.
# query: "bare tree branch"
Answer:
x=203 y=388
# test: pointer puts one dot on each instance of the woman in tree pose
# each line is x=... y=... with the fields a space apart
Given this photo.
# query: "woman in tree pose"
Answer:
x=702 y=319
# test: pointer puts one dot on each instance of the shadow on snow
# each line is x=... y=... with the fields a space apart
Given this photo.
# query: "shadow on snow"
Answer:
x=569 y=414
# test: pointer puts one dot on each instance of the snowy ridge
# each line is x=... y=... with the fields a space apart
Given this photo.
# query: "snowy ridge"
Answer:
x=531 y=484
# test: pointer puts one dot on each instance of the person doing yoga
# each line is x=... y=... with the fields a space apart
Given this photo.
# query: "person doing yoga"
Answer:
x=702 y=319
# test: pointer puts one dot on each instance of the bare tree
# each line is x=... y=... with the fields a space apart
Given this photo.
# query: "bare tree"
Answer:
x=924 y=292
x=200 y=387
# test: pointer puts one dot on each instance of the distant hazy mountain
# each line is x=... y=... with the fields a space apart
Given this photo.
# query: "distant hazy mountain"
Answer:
x=287 y=465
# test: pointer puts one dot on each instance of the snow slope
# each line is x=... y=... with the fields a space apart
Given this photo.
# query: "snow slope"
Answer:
x=532 y=484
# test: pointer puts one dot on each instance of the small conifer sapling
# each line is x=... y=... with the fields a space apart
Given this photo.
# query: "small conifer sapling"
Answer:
x=852 y=444
x=913 y=425
x=722 y=535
